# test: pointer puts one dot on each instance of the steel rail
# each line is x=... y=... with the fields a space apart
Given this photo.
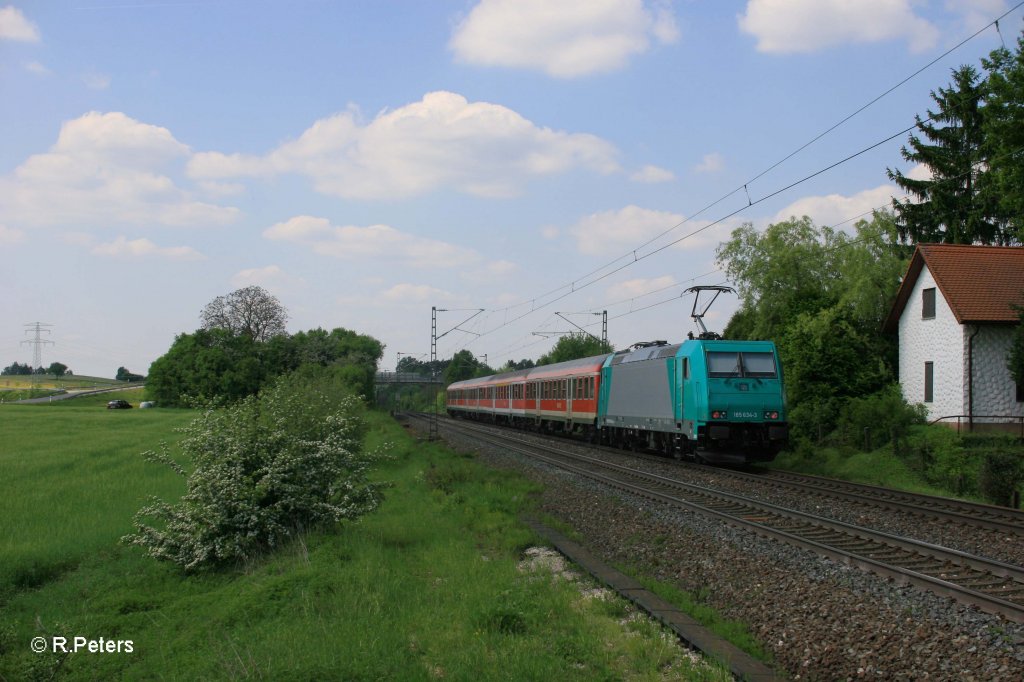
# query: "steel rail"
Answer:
x=973 y=513
x=993 y=587
x=991 y=517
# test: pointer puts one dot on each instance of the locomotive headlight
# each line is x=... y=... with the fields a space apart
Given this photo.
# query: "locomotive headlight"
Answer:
x=718 y=414
x=771 y=415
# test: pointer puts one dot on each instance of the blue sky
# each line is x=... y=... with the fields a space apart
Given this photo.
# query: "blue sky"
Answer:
x=365 y=161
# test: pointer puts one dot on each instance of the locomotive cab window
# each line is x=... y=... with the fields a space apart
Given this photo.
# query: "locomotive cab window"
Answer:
x=758 y=365
x=726 y=365
x=723 y=365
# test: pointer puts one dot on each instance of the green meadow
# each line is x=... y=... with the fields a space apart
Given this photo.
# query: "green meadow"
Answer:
x=70 y=480
x=427 y=587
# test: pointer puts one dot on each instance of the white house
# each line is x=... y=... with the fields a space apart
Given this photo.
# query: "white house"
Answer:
x=955 y=320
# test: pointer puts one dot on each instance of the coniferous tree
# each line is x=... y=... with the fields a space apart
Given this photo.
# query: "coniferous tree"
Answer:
x=1004 y=139
x=950 y=206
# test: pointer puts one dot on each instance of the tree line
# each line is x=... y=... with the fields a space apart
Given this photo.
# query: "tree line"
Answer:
x=241 y=347
x=822 y=294
x=465 y=365
x=56 y=369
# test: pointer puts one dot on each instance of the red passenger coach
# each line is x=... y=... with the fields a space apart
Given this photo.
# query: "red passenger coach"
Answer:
x=561 y=397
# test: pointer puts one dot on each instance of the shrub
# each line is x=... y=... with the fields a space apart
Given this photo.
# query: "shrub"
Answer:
x=262 y=471
x=937 y=453
x=813 y=420
x=886 y=415
x=1002 y=472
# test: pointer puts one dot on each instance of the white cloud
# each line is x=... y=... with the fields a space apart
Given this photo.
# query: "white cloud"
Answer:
x=919 y=172
x=9 y=235
x=711 y=163
x=501 y=268
x=106 y=168
x=37 y=68
x=14 y=26
x=441 y=141
x=488 y=273
x=612 y=232
x=976 y=14
x=635 y=288
x=222 y=189
x=414 y=293
x=833 y=209
x=653 y=174
x=788 y=26
x=141 y=248
x=96 y=81
x=565 y=39
x=272 y=277
x=377 y=242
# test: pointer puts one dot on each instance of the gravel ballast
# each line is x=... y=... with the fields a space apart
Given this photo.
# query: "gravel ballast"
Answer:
x=821 y=620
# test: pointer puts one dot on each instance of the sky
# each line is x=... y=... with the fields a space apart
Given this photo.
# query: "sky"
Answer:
x=519 y=165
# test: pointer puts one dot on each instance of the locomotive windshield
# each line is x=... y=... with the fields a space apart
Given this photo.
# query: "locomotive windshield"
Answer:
x=725 y=365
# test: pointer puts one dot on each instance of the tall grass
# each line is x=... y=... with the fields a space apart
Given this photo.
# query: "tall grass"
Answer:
x=70 y=481
x=427 y=587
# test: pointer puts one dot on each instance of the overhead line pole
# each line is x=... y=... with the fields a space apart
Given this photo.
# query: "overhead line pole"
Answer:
x=434 y=336
x=604 y=325
x=37 y=343
x=432 y=434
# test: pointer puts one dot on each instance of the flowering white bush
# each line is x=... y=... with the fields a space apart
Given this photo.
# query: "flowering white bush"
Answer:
x=263 y=470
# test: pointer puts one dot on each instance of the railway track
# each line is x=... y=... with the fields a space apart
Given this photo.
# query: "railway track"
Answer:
x=991 y=586
x=1001 y=519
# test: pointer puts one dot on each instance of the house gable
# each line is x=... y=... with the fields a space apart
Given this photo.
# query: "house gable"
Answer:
x=980 y=283
x=931 y=350
x=954 y=313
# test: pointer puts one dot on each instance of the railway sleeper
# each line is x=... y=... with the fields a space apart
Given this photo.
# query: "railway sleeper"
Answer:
x=993 y=581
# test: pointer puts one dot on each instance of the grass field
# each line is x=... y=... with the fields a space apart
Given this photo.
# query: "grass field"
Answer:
x=13 y=388
x=428 y=587
x=72 y=382
x=72 y=478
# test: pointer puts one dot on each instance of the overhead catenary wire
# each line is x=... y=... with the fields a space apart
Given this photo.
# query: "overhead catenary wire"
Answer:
x=745 y=186
x=635 y=256
x=845 y=244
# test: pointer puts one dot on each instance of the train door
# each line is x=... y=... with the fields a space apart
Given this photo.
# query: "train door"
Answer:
x=571 y=384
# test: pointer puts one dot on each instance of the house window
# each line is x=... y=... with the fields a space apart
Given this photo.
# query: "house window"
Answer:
x=1020 y=392
x=929 y=381
x=928 y=304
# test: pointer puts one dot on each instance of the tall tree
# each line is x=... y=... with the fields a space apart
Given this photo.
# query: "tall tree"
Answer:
x=573 y=347
x=1004 y=139
x=57 y=369
x=778 y=274
x=16 y=369
x=251 y=311
x=949 y=206
x=1015 y=358
x=821 y=295
x=464 y=365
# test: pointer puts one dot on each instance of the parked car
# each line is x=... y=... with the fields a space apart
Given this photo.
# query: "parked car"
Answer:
x=119 y=405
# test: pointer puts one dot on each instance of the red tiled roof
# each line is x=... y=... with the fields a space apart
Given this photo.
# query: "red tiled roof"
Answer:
x=979 y=282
